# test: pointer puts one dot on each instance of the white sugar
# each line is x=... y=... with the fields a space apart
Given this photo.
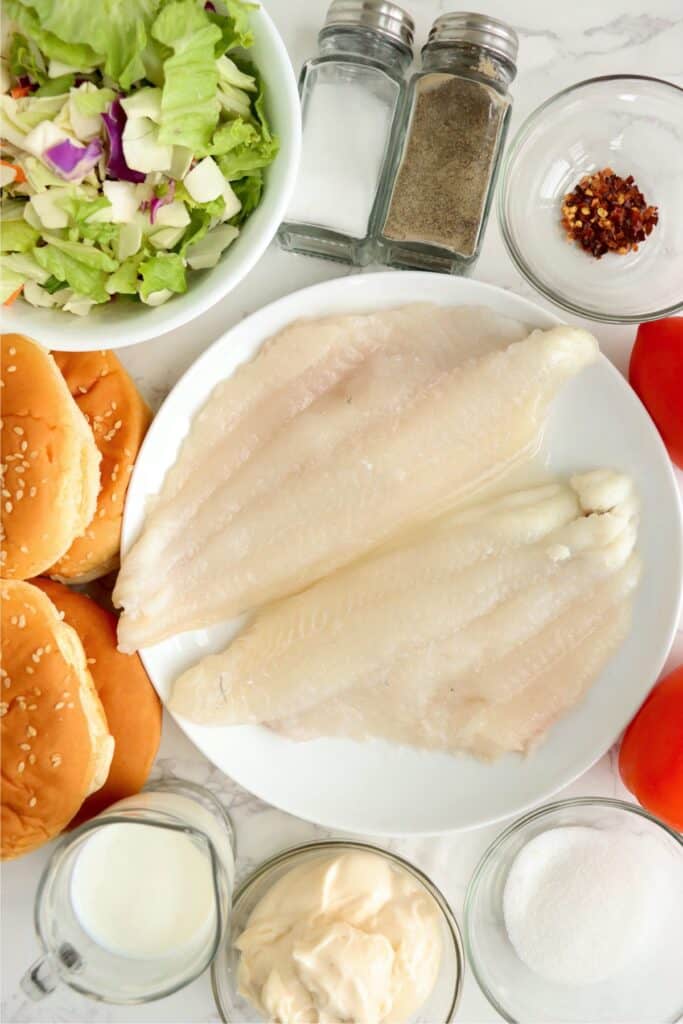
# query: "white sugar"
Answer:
x=580 y=903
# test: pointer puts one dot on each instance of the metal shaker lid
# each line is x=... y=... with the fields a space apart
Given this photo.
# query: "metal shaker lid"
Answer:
x=381 y=16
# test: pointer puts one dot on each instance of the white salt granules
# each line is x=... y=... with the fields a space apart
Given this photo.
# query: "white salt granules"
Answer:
x=346 y=129
x=580 y=903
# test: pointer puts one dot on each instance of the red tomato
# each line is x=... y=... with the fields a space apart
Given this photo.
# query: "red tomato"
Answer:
x=651 y=755
x=656 y=374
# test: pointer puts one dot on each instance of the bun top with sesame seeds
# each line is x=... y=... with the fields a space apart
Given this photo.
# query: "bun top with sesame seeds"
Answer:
x=56 y=747
x=119 y=418
x=130 y=701
x=50 y=462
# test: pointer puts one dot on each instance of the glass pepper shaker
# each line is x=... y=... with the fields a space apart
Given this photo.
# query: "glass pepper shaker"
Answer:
x=438 y=183
x=349 y=94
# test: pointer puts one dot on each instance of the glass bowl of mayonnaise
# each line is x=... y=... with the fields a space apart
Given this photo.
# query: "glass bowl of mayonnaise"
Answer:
x=339 y=930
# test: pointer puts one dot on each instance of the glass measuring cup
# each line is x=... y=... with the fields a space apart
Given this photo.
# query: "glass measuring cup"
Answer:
x=71 y=954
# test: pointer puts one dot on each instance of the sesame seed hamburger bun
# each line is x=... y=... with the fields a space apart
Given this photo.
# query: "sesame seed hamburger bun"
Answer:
x=50 y=462
x=118 y=417
x=56 y=748
x=130 y=702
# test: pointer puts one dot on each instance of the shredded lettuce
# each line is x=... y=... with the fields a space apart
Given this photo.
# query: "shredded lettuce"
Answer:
x=241 y=152
x=83 y=228
x=9 y=282
x=25 y=59
x=52 y=285
x=166 y=82
x=248 y=190
x=244 y=159
x=106 y=235
x=189 y=106
x=235 y=29
x=52 y=45
x=26 y=114
x=74 y=270
x=234 y=102
x=56 y=86
x=163 y=272
x=124 y=280
x=17 y=236
x=231 y=134
x=80 y=209
x=200 y=220
x=82 y=251
x=93 y=101
x=107 y=33
x=229 y=73
x=25 y=264
x=11 y=209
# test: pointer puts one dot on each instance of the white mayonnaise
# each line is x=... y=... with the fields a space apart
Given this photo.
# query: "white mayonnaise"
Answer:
x=347 y=937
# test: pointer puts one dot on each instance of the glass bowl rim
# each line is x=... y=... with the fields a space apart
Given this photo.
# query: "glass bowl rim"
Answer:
x=517 y=826
x=292 y=853
x=511 y=245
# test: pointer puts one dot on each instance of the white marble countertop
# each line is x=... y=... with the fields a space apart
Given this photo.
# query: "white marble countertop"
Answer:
x=559 y=44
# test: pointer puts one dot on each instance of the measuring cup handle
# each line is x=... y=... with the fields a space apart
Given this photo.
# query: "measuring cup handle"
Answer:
x=41 y=978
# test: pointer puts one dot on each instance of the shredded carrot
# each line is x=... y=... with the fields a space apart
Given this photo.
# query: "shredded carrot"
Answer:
x=15 y=295
x=19 y=175
x=19 y=91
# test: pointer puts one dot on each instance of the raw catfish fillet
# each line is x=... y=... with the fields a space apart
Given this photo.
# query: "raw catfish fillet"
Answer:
x=439 y=610
x=309 y=390
x=332 y=467
x=522 y=691
x=500 y=684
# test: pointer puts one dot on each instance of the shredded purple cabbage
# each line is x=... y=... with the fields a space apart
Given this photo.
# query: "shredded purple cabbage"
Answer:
x=158 y=201
x=24 y=82
x=208 y=6
x=115 y=121
x=71 y=161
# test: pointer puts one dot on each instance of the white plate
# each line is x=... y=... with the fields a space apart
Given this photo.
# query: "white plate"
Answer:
x=376 y=787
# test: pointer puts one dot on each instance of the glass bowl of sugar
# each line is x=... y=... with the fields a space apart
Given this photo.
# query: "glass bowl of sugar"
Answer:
x=574 y=914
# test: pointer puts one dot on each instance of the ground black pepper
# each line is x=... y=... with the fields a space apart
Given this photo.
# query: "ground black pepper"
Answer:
x=443 y=180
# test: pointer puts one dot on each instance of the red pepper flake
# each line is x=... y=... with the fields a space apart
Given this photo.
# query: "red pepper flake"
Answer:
x=606 y=213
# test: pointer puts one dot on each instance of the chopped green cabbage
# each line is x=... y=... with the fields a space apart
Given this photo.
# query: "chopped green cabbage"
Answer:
x=171 y=79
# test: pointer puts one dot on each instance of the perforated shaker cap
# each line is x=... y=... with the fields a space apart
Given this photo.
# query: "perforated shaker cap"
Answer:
x=381 y=16
x=478 y=29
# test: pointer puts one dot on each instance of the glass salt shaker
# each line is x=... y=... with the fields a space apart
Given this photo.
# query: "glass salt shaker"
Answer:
x=438 y=183
x=349 y=94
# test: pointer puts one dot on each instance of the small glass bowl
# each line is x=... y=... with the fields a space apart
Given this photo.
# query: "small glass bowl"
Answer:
x=650 y=990
x=633 y=125
x=441 y=1005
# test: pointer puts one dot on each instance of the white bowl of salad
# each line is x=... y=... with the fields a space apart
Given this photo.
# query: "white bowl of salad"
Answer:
x=148 y=152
